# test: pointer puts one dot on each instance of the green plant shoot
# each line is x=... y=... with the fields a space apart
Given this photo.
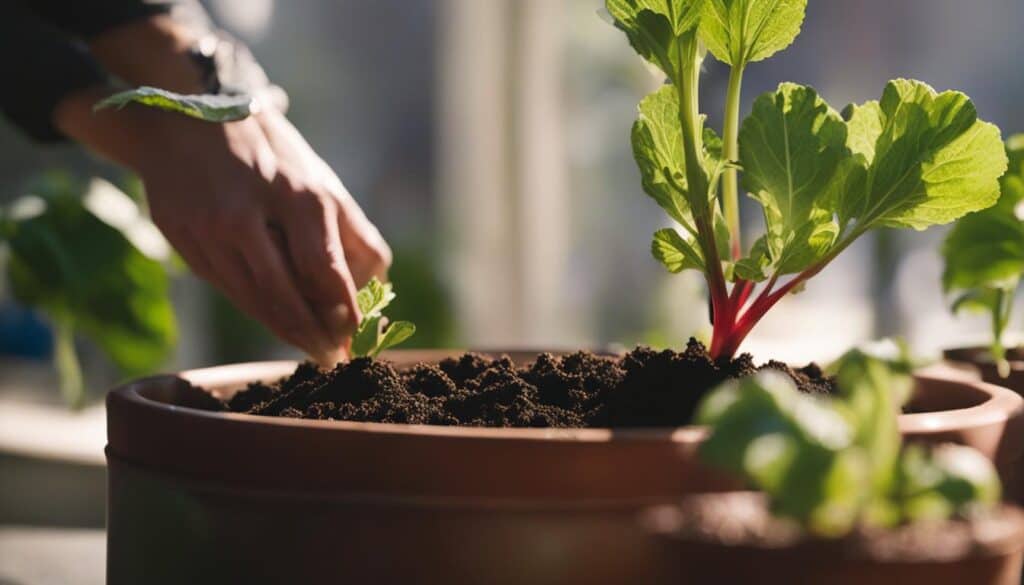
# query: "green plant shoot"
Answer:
x=373 y=335
x=984 y=255
x=915 y=158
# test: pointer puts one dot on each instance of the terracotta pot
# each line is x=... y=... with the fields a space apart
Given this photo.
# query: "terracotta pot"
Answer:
x=977 y=358
x=950 y=406
x=203 y=497
x=732 y=538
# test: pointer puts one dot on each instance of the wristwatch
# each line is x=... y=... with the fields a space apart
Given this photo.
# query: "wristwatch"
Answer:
x=229 y=68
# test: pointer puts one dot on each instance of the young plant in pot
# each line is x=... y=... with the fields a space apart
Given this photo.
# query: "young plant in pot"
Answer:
x=397 y=450
x=840 y=500
x=984 y=256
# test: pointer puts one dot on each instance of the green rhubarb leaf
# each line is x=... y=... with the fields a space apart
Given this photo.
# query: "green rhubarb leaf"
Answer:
x=680 y=252
x=396 y=333
x=791 y=147
x=928 y=159
x=738 y=32
x=656 y=28
x=755 y=267
x=211 y=108
x=658 y=150
x=676 y=252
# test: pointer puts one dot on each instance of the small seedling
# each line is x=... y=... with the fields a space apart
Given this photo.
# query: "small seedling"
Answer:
x=984 y=255
x=373 y=334
x=914 y=159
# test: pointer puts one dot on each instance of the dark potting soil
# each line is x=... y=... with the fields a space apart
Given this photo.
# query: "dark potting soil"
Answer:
x=643 y=388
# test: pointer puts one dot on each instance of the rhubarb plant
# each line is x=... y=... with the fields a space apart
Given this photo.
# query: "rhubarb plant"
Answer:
x=912 y=159
x=984 y=255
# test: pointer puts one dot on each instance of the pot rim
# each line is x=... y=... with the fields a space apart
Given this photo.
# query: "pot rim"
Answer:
x=1000 y=405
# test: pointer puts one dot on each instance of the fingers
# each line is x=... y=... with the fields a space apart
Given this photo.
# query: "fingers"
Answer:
x=281 y=305
x=256 y=278
x=316 y=253
x=366 y=252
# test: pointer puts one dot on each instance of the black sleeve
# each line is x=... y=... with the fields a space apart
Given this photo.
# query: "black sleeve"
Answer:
x=43 y=56
x=87 y=18
x=43 y=59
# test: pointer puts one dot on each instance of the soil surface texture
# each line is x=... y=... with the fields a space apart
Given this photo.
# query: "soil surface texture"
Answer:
x=643 y=388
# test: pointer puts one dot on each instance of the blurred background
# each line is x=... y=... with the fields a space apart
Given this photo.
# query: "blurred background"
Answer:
x=489 y=140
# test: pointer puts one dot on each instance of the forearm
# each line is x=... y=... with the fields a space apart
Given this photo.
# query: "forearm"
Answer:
x=122 y=136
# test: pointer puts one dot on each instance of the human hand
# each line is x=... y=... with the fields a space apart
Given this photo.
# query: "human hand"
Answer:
x=248 y=204
x=253 y=210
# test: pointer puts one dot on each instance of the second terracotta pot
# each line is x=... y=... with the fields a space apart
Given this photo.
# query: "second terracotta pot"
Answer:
x=977 y=358
x=732 y=538
x=205 y=497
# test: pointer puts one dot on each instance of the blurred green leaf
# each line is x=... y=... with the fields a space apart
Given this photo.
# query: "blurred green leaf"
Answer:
x=833 y=463
x=80 y=271
x=425 y=298
x=984 y=254
x=875 y=390
x=792 y=446
x=937 y=484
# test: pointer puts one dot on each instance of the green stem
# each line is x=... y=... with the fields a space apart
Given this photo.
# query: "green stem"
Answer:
x=731 y=152
x=696 y=176
x=65 y=359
